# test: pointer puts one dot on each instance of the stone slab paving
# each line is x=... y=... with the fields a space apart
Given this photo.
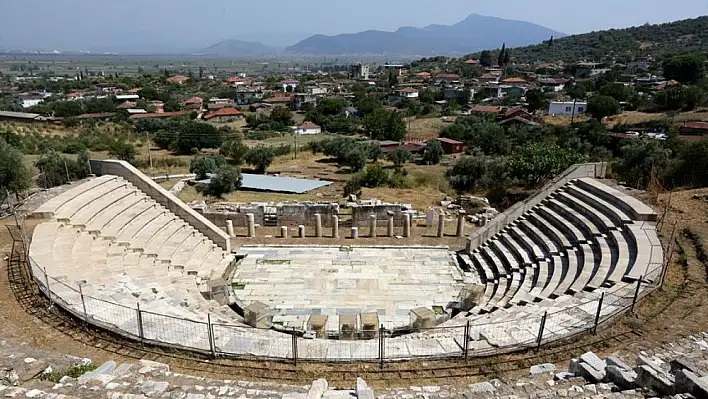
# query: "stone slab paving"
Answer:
x=336 y=281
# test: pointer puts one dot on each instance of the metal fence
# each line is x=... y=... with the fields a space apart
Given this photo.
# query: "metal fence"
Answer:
x=466 y=338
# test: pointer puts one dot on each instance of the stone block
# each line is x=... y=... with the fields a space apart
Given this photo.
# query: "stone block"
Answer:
x=590 y=373
x=625 y=379
x=317 y=324
x=362 y=389
x=615 y=361
x=256 y=315
x=689 y=382
x=542 y=368
x=422 y=318
x=685 y=364
x=317 y=389
x=650 y=378
x=485 y=387
x=563 y=375
x=347 y=326
x=369 y=324
x=594 y=361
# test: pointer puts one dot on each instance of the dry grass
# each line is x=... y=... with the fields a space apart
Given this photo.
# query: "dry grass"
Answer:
x=423 y=128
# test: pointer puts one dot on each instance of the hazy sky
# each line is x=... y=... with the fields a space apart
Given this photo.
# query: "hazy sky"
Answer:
x=180 y=24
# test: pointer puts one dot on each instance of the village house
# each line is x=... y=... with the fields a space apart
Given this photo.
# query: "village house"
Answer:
x=308 y=127
x=289 y=84
x=567 y=107
x=235 y=81
x=157 y=105
x=398 y=69
x=552 y=85
x=223 y=115
x=27 y=100
x=408 y=92
x=451 y=146
x=193 y=103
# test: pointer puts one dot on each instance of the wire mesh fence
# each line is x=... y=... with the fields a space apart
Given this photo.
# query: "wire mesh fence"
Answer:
x=497 y=332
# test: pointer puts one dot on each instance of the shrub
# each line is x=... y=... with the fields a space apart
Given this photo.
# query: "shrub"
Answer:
x=399 y=156
x=14 y=176
x=433 y=152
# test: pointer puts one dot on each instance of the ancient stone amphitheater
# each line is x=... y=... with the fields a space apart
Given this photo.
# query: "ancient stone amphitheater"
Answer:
x=121 y=253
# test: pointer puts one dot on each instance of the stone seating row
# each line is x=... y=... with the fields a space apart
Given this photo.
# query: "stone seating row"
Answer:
x=575 y=240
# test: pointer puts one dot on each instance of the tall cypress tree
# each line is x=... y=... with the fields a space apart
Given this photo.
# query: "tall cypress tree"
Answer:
x=500 y=60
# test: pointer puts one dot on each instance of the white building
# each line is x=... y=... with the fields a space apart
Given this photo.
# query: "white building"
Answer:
x=308 y=128
x=27 y=100
x=408 y=92
x=566 y=107
x=291 y=83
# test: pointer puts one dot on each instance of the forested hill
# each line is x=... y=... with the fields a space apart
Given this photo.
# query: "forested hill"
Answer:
x=690 y=35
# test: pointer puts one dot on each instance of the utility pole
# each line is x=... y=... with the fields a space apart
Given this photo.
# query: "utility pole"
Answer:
x=147 y=134
x=572 y=118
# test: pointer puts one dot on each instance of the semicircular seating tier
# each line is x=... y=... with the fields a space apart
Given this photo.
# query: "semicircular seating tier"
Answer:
x=548 y=270
x=121 y=246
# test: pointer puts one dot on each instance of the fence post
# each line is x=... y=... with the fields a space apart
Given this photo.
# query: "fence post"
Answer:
x=597 y=315
x=294 y=348
x=49 y=291
x=210 y=335
x=141 y=333
x=382 y=353
x=636 y=292
x=467 y=339
x=540 y=330
x=83 y=304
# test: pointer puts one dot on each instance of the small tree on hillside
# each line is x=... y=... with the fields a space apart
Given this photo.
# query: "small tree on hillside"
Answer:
x=14 y=176
x=123 y=151
x=399 y=156
x=433 y=152
x=536 y=163
x=356 y=158
x=260 y=158
x=227 y=179
x=235 y=150
x=602 y=106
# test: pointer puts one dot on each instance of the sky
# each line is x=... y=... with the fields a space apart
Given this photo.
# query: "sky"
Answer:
x=194 y=24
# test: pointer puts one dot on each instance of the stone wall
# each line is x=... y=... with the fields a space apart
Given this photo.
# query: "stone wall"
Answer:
x=163 y=197
x=287 y=214
x=361 y=214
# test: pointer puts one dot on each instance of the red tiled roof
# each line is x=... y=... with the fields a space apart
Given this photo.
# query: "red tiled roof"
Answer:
x=695 y=125
x=308 y=125
x=234 y=79
x=472 y=61
x=487 y=76
x=448 y=76
x=407 y=90
x=193 y=100
x=485 y=108
x=160 y=115
x=99 y=115
x=449 y=141
x=423 y=74
x=513 y=80
x=223 y=112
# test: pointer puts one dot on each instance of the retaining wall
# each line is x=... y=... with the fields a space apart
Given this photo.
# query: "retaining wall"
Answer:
x=163 y=197
x=597 y=170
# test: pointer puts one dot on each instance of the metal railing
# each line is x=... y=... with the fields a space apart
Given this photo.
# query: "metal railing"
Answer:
x=465 y=338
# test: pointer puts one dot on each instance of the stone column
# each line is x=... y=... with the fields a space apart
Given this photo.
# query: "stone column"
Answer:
x=318 y=225
x=301 y=231
x=251 y=225
x=283 y=231
x=389 y=230
x=335 y=226
x=230 y=228
x=468 y=246
x=441 y=225
x=407 y=225
x=372 y=226
x=355 y=233
x=461 y=223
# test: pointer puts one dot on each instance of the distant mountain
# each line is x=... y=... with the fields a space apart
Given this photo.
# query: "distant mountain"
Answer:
x=474 y=33
x=622 y=45
x=238 y=48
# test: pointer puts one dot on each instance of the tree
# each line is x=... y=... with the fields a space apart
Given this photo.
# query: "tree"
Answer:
x=485 y=58
x=536 y=100
x=500 y=60
x=123 y=150
x=235 y=150
x=467 y=173
x=355 y=158
x=226 y=180
x=202 y=166
x=640 y=158
x=54 y=169
x=14 y=176
x=260 y=158
x=685 y=68
x=433 y=152
x=385 y=125
x=399 y=156
x=282 y=115
x=600 y=106
x=536 y=163
x=374 y=151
